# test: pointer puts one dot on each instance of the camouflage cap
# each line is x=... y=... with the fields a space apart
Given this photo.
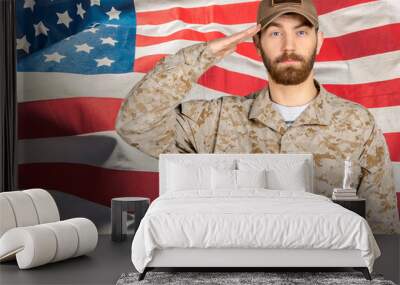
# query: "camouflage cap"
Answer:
x=269 y=10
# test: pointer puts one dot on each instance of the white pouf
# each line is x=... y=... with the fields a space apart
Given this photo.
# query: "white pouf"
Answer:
x=7 y=216
x=31 y=232
x=22 y=207
x=45 y=205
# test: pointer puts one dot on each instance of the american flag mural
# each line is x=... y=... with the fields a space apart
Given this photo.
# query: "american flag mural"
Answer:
x=78 y=59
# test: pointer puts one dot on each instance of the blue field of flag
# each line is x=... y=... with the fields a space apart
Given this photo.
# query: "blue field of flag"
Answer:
x=76 y=36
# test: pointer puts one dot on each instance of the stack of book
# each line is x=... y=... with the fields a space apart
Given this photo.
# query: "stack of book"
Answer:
x=344 y=194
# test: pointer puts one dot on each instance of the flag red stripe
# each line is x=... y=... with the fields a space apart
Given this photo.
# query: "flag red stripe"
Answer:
x=228 y=14
x=370 y=95
x=230 y=82
x=96 y=184
x=351 y=45
x=224 y=14
x=64 y=117
x=184 y=34
x=345 y=47
x=393 y=142
x=146 y=63
x=324 y=6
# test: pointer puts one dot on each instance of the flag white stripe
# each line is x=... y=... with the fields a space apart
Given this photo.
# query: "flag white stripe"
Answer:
x=387 y=118
x=372 y=68
x=178 y=25
x=31 y=85
x=157 y=5
x=360 y=17
x=103 y=86
x=337 y=23
x=101 y=149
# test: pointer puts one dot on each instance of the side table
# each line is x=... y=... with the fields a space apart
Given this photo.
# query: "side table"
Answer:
x=119 y=208
x=357 y=205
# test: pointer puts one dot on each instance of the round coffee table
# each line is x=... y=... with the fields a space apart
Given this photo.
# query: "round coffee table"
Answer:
x=119 y=208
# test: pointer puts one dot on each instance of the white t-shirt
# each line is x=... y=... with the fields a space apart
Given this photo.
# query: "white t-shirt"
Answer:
x=289 y=113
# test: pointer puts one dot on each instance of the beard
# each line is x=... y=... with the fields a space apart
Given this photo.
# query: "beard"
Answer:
x=289 y=75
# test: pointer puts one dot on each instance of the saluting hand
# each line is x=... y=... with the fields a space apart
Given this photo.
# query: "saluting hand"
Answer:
x=223 y=46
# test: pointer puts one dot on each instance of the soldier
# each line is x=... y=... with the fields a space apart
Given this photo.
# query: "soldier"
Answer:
x=293 y=114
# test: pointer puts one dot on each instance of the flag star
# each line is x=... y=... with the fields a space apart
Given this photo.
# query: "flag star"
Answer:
x=80 y=11
x=64 y=18
x=94 y=2
x=85 y=48
x=105 y=61
x=40 y=28
x=113 y=14
x=55 y=56
x=92 y=30
x=23 y=44
x=112 y=25
x=29 y=4
x=108 y=40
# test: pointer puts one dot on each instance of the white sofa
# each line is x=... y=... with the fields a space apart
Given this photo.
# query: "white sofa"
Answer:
x=31 y=231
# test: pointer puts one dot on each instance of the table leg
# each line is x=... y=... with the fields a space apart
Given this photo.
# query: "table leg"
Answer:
x=117 y=221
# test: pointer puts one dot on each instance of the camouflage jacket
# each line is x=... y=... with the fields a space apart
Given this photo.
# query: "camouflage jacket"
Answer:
x=154 y=119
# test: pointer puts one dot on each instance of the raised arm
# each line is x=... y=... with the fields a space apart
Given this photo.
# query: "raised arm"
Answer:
x=152 y=117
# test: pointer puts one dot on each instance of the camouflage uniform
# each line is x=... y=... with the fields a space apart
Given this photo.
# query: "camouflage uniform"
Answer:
x=154 y=120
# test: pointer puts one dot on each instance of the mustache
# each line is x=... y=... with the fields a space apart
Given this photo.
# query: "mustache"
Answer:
x=285 y=57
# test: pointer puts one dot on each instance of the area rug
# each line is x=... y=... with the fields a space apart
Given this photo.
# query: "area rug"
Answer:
x=242 y=278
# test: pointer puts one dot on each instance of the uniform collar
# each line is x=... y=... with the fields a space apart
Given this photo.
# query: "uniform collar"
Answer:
x=318 y=112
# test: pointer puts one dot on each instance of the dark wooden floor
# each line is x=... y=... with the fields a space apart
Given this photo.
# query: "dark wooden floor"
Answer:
x=102 y=266
x=110 y=259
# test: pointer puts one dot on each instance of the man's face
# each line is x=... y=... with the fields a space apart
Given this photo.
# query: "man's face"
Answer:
x=288 y=49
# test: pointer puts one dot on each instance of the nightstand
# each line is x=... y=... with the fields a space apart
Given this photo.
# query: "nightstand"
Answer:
x=356 y=205
x=119 y=208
